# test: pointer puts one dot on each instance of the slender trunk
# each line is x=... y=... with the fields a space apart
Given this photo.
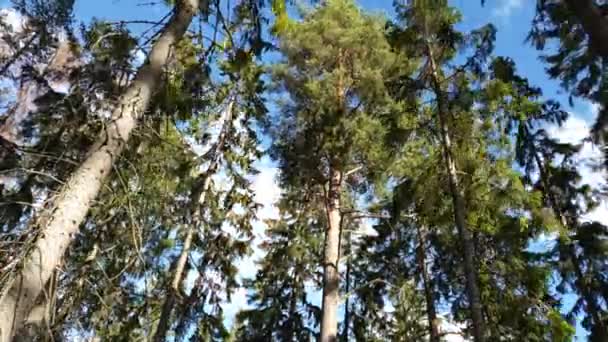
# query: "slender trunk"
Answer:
x=331 y=277
x=72 y=203
x=431 y=312
x=470 y=270
x=594 y=23
x=197 y=200
x=583 y=286
x=348 y=254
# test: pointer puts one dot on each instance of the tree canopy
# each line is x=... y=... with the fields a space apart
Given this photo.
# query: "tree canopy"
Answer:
x=294 y=171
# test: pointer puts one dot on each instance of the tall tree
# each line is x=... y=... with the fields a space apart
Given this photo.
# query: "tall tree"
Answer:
x=336 y=62
x=74 y=200
x=431 y=26
x=536 y=153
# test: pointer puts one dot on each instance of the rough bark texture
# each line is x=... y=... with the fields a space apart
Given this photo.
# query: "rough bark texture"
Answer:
x=331 y=257
x=466 y=239
x=431 y=312
x=593 y=22
x=198 y=196
x=61 y=223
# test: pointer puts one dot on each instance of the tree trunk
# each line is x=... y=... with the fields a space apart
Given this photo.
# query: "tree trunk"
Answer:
x=580 y=282
x=331 y=257
x=470 y=270
x=72 y=203
x=593 y=22
x=197 y=200
x=431 y=312
x=347 y=287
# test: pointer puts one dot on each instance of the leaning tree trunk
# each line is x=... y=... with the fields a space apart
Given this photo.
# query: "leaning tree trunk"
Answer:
x=197 y=200
x=466 y=239
x=331 y=257
x=594 y=23
x=431 y=311
x=60 y=225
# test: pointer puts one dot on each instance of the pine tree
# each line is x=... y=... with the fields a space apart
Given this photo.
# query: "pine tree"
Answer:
x=437 y=40
x=336 y=60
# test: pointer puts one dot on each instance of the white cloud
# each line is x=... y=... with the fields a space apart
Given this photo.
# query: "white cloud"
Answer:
x=238 y=302
x=267 y=191
x=14 y=19
x=505 y=8
x=140 y=58
x=575 y=131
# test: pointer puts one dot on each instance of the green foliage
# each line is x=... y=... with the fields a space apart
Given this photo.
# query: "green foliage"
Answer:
x=282 y=311
x=577 y=62
x=354 y=94
x=336 y=64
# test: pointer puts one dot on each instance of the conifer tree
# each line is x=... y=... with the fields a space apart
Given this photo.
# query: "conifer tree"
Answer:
x=282 y=310
x=336 y=62
x=429 y=24
x=536 y=153
x=579 y=28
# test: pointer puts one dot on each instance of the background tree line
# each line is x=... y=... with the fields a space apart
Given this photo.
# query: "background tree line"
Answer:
x=127 y=156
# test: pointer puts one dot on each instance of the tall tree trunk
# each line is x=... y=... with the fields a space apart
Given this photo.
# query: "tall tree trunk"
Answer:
x=470 y=270
x=594 y=23
x=72 y=203
x=331 y=257
x=570 y=251
x=431 y=312
x=347 y=287
x=197 y=200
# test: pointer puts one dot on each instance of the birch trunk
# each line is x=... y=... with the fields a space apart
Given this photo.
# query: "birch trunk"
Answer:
x=466 y=239
x=72 y=203
x=197 y=201
x=331 y=257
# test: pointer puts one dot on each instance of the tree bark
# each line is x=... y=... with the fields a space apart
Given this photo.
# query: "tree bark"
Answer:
x=347 y=287
x=593 y=22
x=431 y=312
x=331 y=257
x=197 y=200
x=61 y=223
x=466 y=239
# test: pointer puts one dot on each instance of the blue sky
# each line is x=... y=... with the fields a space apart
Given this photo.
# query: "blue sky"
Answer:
x=511 y=17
